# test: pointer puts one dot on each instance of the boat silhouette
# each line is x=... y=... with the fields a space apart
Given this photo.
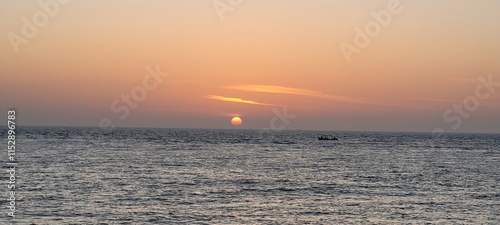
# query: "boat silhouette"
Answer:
x=327 y=138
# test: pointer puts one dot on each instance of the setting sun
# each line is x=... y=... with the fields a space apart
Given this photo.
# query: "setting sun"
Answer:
x=355 y=111
x=236 y=121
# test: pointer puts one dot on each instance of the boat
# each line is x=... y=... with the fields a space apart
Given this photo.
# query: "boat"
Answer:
x=327 y=137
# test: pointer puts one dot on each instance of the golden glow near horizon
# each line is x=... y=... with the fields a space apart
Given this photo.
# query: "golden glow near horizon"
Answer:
x=236 y=121
x=406 y=63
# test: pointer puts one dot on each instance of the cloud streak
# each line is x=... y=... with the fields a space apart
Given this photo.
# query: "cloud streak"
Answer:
x=434 y=100
x=310 y=93
x=237 y=100
x=303 y=92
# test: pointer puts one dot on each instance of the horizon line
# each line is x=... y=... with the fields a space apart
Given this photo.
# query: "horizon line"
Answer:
x=298 y=129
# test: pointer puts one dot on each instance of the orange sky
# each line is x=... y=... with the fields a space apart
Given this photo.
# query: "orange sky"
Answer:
x=262 y=55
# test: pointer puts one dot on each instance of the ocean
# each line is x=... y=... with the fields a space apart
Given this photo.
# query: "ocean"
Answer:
x=203 y=176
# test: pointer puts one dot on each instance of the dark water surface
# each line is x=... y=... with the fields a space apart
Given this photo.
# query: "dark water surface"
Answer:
x=187 y=176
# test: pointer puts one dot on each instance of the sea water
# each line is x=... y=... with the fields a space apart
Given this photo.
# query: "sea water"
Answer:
x=202 y=176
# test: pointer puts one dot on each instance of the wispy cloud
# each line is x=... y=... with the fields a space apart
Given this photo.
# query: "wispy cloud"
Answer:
x=316 y=94
x=303 y=92
x=238 y=100
x=274 y=89
x=434 y=100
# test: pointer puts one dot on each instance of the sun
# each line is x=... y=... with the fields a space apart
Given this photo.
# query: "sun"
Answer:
x=236 y=121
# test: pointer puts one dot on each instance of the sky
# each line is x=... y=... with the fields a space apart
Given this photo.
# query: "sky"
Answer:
x=299 y=64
